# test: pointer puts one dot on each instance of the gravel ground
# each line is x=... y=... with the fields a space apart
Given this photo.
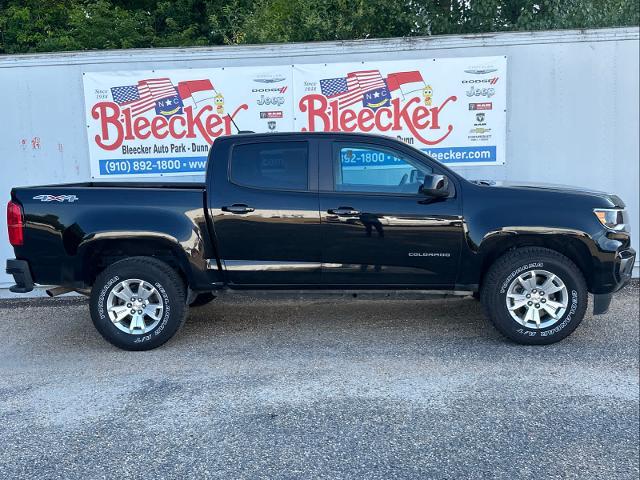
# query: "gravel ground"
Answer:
x=323 y=388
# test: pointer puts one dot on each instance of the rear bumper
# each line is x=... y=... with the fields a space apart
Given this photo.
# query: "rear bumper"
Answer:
x=21 y=275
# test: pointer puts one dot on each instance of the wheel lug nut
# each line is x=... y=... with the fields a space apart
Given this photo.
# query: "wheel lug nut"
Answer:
x=140 y=312
x=537 y=305
x=543 y=300
x=128 y=305
x=528 y=296
x=133 y=312
x=529 y=303
x=533 y=291
x=541 y=292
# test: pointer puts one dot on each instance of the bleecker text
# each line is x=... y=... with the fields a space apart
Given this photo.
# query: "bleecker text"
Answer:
x=118 y=125
x=396 y=117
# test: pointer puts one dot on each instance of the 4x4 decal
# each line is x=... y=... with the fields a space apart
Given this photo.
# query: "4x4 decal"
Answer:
x=56 y=198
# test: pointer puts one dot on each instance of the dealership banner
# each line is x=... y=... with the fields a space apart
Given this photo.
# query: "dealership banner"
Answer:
x=162 y=122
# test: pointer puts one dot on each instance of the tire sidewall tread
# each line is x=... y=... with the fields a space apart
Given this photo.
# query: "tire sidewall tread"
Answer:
x=164 y=278
x=516 y=262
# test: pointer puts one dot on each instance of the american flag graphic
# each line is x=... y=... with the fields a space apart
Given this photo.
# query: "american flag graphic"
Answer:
x=351 y=89
x=142 y=97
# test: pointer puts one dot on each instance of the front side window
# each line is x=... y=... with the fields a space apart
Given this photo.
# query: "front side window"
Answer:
x=271 y=165
x=366 y=168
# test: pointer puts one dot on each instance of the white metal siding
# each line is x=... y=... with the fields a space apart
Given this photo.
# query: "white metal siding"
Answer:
x=572 y=115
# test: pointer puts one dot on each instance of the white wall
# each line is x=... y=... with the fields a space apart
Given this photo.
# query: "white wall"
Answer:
x=572 y=115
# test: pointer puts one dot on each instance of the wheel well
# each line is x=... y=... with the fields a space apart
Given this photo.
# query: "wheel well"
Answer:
x=103 y=253
x=571 y=248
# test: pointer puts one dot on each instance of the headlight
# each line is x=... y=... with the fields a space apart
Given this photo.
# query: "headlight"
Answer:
x=613 y=218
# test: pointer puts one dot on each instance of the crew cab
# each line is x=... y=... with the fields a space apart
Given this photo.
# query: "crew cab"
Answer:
x=309 y=211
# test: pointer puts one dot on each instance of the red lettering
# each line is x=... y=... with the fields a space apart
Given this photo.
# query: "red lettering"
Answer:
x=436 y=110
x=193 y=122
x=364 y=117
x=114 y=121
x=316 y=105
x=228 y=118
x=335 y=110
x=389 y=115
x=158 y=125
x=127 y=125
x=140 y=124
x=348 y=116
x=328 y=117
x=107 y=113
x=211 y=123
x=434 y=121
x=420 y=117
x=172 y=127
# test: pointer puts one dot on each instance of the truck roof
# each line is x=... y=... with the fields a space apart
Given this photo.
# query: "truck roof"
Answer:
x=249 y=134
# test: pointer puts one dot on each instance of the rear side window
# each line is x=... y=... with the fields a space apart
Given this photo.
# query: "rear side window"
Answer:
x=271 y=166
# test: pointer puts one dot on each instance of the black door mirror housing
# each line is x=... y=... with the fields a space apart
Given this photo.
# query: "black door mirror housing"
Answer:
x=435 y=185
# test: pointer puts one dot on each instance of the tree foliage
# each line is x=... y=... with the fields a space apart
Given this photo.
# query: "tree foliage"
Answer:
x=54 y=25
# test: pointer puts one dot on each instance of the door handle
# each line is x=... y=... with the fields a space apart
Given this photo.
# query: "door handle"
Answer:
x=343 y=211
x=238 y=208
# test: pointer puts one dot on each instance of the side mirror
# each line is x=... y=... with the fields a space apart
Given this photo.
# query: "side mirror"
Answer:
x=435 y=186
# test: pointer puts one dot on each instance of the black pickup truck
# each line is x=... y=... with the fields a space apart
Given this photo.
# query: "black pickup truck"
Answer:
x=313 y=211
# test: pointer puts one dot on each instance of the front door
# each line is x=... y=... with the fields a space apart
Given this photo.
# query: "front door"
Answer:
x=377 y=229
x=264 y=205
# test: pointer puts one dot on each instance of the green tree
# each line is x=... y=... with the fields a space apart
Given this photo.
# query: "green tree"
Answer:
x=100 y=24
x=36 y=26
x=302 y=20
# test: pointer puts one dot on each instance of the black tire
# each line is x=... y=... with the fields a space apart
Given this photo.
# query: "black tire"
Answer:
x=502 y=273
x=202 y=299
x=169 y=287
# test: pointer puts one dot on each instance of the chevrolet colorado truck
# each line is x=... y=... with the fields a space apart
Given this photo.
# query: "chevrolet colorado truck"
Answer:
x=309 y=211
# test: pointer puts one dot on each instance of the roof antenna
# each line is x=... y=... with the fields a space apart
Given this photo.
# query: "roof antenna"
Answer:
x=234 y=124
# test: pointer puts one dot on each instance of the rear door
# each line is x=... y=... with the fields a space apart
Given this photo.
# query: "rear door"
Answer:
x=377 y=229
x=263 y=200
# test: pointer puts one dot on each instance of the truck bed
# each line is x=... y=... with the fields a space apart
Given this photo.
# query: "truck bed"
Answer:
x=164 y=185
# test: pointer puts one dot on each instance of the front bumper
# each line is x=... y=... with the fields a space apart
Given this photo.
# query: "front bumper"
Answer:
x=622 y=271
x=21 y=275
x=625 y=260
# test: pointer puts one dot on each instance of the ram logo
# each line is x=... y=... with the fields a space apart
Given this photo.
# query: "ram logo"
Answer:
x=56 y=198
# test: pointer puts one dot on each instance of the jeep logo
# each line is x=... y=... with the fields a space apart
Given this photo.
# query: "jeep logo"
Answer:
x=276 y=100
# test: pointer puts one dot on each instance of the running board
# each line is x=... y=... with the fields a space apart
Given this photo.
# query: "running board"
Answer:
x=351 y=293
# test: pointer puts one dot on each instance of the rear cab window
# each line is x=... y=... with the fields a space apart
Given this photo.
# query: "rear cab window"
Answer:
x=271 y=165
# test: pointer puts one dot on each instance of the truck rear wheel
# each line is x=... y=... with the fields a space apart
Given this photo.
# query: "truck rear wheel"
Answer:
x=534 y=296
x=138 y=303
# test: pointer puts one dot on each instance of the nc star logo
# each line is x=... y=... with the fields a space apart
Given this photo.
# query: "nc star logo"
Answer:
x=374 y=99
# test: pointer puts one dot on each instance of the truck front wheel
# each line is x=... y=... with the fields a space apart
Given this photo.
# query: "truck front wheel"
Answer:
x=534 y=296
x=138 y=303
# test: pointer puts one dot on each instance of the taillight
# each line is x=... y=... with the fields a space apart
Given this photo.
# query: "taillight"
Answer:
x=14 y=223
